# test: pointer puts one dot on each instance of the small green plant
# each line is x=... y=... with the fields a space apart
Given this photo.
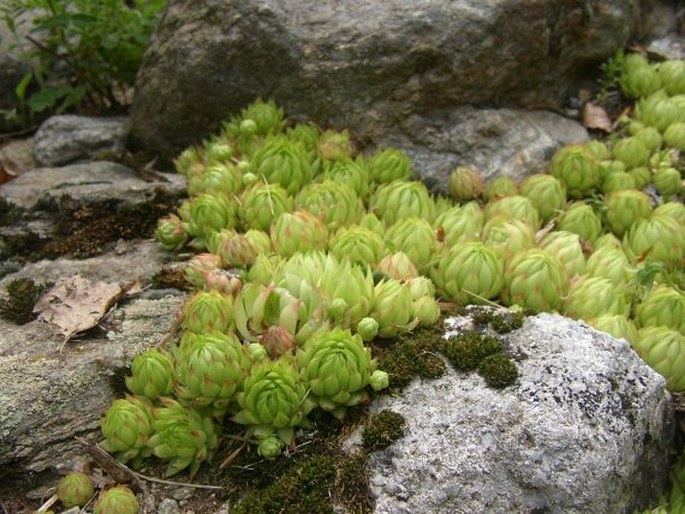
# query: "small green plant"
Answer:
x=611 y=74
x=99 y=44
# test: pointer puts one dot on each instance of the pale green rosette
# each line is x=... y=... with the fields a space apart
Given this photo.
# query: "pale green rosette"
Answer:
x=393 y=308
x=664 y=350
x=460 y=223
x=663 y=306
x=273 y=401
x=659 y=111
x=264 y=269
x=546 y=193
x=465 y=184
x=591 y=297
x=675 y=210
x=625 y=208
x=348 y=290
x=210 y=213
x=127 y=426
x=469 y=273
x=183 y=436
x=616 y=325
x=209 y=370
x=358 y=244
x=208 y=311
x=610 y=262
x=638 y=78
x=580 y=218
x=577 y=168
x=672 y=75
x=259 y=240
x=336 y=367
x=220 y=179
x=389 y=164
x=508 y=237
x=618 y=181
x=397 y=266
x=401 y=199
x=152 y=374
x=534 y=280
x=262 y=203
x=282 y=161
x=500 y=187
x=171 y=232
x=117 y=500
x=75 y=489
x=657 y=239
x=334 y=202
x=516 y=207
x=566 y=247
x=298 y=231
x=416 y=238
x=667 y=182
x=234 y=249
x=352 y=172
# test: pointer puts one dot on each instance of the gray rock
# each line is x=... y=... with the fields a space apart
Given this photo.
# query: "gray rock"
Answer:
x=495 y=142
x=365 y=65
x=94 y=181
x=168 y=506
x=68 y=138
x=585 y=430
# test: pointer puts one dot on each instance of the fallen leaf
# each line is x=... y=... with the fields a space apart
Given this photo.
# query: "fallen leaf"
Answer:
x=595 y=117
x=75 y=304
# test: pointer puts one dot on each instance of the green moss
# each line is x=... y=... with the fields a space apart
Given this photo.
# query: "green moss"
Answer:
x=171 y=277
x=467 y=350
x=23 y=293
x=352 y=484
x=382 y=430
x=498 y=370
x=506 y=321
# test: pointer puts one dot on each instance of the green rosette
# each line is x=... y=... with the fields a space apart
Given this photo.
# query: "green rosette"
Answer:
x=171 y=232
x=580 y=218
x=610 y=262
x=577 y=168
x=534 y=280
x=307 y=134
x=398 y=266
x=469 y=273
x=282 y=161
x=460 y=223
x=427 y=310
x=117 y=500
x=336 y=367
x=183 y=436
x=667 y=182
x=631 y=151
x=188 y=159
x=507 y=237
x=546 y=193
x=590 y=297
x=642 y=176
x=220 y=178
x=264 y=269
x=234 y=248
x=209 y=370
x=210 y=213
x=598 y=149
x=672 y=75
x=273 y=401
x=389 y=164
x=401 y=199
x=152 y=374
x=616 y=325
x=262 y=203
x=334 y=202
x=658 y=110
x=393 y=308
x=664 y=350
x=127 y=426
x=352 y=172
x=416 y=238
x=259 y=240
x=335 y=146
x=638 y=78
x=372 y=222
x=650 y=137
x=298 y=231
x=625 y=208
x=514 y=207
x=657 y=239
x=618 y=181
x=358 y=244
x=208 y=311
x=567 y=248
x=465 y=184
x=675 y=210
x=663 y=306
x=499 y=187
x=75 y=489
x=267 y=117
x=348 y=290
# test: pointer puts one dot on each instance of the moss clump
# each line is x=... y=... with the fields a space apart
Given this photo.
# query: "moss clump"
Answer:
x=352 y=484
x=171 y=277
x=303 y=489
x=382 y=430
x=498 y=370
x=505 y=322
x=23 y=293
x=467 y=350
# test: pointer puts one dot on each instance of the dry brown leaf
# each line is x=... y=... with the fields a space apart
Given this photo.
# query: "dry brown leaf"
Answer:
x=595 y=117
x=76 y=304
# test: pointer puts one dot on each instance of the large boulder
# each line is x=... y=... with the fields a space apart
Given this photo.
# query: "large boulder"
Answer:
x=586 y=429
x=365 y=65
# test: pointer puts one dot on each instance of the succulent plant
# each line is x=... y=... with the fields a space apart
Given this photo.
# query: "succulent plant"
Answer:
x=152 y=374
x=664 y=350
x=209 y=369
x=616 y=325
x=401 y=199
x=234 y=248
x=334 y=202
x=171 y=233
x=609 y=167
x=208 y=311
x=298 y=231
x=659 y=238
x=598 y=149
x=367 y=328
x=650 y=138
x=577 y=168
x=567 y=248
x=267 y=116
x=465 y=184
x=580 y=218
x=662 y=306
x=658 y=110
x=210 y=213
x=397 y=266
x=468 y=273
x=182 y=436
x=389 y=164
x=610 y=262
x=672 y=75
x=204 y=272
x=75 y=489
x=534 y=280
x=638 y=78
x=393 y=308
x=427 y=310
x=264 y=268
x=334 y=145
x=218 y=179
x=507 y=237
x=262 y=203
x=416 y=238
x=308 y=134
x=352 y=172
x=117 y=500
x=631 y=151
x=336 y=367
x=590 y=297
x=641 y=176
x=274 y=401
x=259 y=240
x=675 y=210
x=127 y=426
x=546 y=193
x=516 y=207
x=625 y=208
x=500 y=187
x=358 y=244
x=460 y=223
x=618 y=181
x=668 y=182
x=350 y=288
x=282 y=161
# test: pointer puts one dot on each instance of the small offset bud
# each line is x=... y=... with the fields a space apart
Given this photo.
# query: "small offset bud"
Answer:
x=256 y=351
x=75 y=489
x=368 y=328
x=379 y=380
x=270 y=448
